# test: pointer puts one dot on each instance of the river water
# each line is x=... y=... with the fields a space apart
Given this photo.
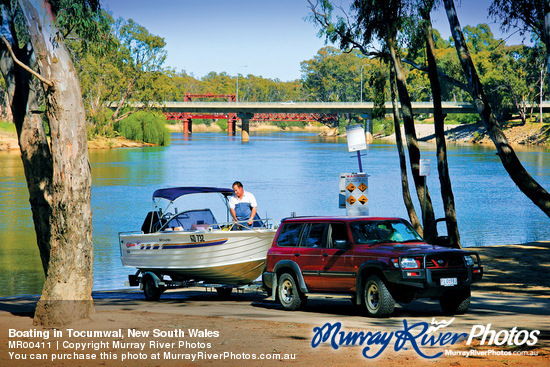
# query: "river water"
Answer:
x=287 y=172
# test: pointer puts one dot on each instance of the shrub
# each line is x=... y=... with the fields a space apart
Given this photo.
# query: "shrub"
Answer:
x=148 y=127
x=462 y=118
x=222 y=124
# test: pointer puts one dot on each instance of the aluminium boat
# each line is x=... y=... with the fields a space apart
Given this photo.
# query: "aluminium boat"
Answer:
x=191 y=245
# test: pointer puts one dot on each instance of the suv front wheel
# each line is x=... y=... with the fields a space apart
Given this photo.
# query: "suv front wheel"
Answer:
x=456 y=302
x=377 y=298
x=290 y=296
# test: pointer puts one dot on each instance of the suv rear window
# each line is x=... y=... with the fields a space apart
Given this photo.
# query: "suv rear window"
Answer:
x=290 y=235
x=314 y=235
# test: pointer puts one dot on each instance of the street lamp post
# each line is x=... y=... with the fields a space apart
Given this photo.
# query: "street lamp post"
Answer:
x=362 y=66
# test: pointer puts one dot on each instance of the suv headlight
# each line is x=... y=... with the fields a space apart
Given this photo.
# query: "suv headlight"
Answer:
x=469 y=260
x=409 y=263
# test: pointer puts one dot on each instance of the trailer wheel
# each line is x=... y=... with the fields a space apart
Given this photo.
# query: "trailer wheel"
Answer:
x=150 y=289
x=224 y=292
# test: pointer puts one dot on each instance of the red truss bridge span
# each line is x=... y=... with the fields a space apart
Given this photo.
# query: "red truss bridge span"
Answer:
x=231 y=117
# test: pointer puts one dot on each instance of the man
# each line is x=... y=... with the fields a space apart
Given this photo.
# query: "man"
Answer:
x=242 y=204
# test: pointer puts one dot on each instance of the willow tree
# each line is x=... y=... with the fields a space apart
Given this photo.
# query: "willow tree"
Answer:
x=38 y=69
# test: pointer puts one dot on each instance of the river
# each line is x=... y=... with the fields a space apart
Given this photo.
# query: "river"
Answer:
x=287 y=172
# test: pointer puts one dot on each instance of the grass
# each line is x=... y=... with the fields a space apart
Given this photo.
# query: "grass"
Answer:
x=7 y=127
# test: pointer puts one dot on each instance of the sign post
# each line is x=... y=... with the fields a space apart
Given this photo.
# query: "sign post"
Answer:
x=354 y=186
x=356 y=141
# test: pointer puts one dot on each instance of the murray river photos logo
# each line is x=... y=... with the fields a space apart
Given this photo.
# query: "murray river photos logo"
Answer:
x=418 y=336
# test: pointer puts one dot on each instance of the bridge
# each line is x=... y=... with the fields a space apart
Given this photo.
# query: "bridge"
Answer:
x=247 y=111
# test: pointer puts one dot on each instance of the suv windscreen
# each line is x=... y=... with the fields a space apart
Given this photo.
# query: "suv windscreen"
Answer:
x=371 y=232
x=290 y=235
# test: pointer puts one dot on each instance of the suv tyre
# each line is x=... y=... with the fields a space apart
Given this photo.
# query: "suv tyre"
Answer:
x=455 y=303
x=290 y=296
x=377 y=298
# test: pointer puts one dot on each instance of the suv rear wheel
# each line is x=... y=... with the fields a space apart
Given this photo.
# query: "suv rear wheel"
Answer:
x=377 y=298
x=290 y=296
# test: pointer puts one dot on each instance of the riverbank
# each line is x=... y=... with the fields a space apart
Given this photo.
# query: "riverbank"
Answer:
x=529 y=134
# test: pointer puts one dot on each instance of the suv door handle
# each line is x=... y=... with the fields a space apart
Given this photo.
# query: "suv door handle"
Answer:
x=325 y=255
x=297 y=254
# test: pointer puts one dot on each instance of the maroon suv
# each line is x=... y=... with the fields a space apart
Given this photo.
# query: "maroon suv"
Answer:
x=377 y=261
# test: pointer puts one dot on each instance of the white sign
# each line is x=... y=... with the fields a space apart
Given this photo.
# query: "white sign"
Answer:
x=424 y=167
x=355 y=193
x=356 y=138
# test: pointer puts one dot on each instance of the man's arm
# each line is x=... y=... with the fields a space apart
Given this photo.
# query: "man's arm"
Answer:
x=252 y=215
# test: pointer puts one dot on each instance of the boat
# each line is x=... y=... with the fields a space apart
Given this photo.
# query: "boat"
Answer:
x=192 y=246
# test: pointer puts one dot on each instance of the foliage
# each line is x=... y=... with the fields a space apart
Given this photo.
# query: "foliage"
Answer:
x=462 y=118
x=148 y=127
x=222 y=124
x=387 y=126
x=124 y=66
x=7 y=126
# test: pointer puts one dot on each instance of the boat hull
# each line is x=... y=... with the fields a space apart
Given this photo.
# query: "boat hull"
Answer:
x=224 y=257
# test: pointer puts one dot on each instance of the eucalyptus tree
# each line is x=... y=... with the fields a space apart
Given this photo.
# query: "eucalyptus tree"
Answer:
x=525 y=182
x=333 y=75
x=37 y=68
x=370 y=22
x=425 y=7
x=527 y=15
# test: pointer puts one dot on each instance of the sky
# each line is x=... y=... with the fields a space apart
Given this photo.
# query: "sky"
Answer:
x=267 y=38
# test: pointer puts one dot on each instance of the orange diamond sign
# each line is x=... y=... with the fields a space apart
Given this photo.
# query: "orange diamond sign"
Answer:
x=363 y=200
x=350 y=187
x=351 y=200
x=362 y=187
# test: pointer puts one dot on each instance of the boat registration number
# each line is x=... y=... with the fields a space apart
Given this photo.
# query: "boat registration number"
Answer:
x=448 y=282
x=197 y=238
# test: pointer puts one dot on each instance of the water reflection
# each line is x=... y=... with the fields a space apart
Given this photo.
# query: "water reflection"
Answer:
x=287 y=172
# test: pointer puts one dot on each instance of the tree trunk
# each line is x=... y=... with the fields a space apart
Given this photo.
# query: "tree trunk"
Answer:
x=66 y=296
x=412 y=145
x=538 y=195
x=546 y=37
x=439 y=127
x=413 y=217
x=34 y=147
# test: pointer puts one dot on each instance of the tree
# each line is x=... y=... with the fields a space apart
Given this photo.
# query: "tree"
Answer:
x=531 y=15
x=381 y=22
x=58 y=174
x=439 y=128
x=538 y=195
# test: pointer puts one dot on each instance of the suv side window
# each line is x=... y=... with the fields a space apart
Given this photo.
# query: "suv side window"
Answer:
x=337 y=232
x=290 y=235
x=314 y=235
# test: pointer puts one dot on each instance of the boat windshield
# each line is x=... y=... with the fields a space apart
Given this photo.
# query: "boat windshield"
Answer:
x=386 y=231
x=192 y=220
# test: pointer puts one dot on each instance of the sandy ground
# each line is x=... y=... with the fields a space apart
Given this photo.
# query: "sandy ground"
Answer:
x=515 y=293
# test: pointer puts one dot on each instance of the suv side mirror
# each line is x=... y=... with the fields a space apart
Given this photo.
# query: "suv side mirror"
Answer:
x=340 y=244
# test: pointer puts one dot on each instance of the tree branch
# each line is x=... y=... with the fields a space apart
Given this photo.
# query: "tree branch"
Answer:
x=442 y=75
x=16 y=60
